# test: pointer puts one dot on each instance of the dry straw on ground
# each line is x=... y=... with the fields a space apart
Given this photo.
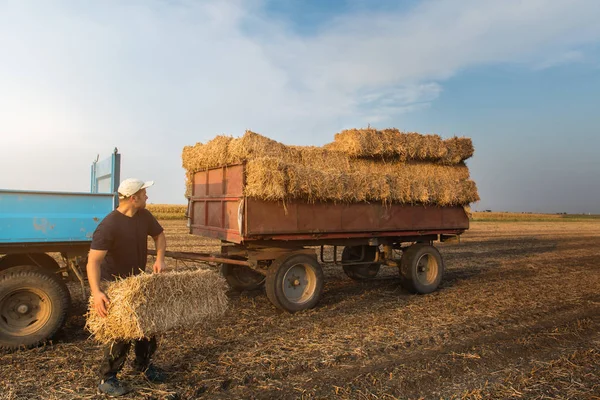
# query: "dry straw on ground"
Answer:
x=149 y=304
x=361 y=165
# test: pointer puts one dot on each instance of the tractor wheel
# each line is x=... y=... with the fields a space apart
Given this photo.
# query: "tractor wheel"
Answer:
x=33 y=306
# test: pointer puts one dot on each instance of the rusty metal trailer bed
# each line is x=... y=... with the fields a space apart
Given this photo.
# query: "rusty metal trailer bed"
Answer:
x=272 y=243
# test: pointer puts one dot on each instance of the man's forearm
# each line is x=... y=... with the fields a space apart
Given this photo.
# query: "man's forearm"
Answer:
x=93 y=273
x=160 y=242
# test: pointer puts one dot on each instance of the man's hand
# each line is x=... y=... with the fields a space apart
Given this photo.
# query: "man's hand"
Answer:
x=158 y=266
x=101 y=303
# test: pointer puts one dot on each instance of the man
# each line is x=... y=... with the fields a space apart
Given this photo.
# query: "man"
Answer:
x=119 y=249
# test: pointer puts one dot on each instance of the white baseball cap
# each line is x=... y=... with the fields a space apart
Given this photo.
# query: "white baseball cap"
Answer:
x=131 y=186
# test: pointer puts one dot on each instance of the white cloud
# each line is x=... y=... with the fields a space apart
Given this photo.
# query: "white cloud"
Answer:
x=437 y=39
x=152 y=76
x=568 y=57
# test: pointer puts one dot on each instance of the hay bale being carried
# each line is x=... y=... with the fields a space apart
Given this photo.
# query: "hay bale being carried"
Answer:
x=149 y=304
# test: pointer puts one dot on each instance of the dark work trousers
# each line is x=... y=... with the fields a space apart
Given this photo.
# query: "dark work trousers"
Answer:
x=116 y=353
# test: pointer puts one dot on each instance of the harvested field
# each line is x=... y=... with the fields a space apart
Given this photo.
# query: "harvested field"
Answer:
x=517 y=316
x=509 y=216
x=167 y=211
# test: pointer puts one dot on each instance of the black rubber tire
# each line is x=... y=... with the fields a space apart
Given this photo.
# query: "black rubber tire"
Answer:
x=276 y=288
x=26 y=280
x=242 y=278
x=364 y=271
x=37 y=259
x=419 y=275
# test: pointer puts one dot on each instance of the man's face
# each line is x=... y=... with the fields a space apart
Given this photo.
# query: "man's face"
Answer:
x=139 y=199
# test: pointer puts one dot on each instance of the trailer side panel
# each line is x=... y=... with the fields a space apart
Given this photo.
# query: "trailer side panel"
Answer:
x=50 y=217
x=220 y=210
x=271 y=218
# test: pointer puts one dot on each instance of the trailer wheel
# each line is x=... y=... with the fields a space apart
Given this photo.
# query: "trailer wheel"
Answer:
x=294 y=282
x=362 y=271
x=240 y=277
x=421 y=268
x=33 y=306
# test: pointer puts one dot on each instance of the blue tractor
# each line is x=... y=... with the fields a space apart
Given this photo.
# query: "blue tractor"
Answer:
x=44 y=241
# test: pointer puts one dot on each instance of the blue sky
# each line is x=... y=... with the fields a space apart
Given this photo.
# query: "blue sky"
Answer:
x=521 y=78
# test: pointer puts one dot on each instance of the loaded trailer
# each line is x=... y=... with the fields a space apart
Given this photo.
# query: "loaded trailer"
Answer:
x=281 y=245
x=278 y=245
x=36 y=229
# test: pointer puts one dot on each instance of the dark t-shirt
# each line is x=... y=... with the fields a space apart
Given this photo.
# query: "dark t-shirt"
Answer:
x=126 y=239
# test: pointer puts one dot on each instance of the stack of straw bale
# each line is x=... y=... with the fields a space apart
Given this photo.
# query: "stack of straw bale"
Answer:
x=149 y=304
x=359 y=166
x=393 y=144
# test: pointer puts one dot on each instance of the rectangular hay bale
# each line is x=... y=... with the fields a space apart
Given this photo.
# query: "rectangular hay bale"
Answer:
x=149 y=304
x=362 y=165
x=270 y=179
x=402 y=146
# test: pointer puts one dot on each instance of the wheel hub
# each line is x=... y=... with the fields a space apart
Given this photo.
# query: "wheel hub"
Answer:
x=299 y=283
x=23 y=309
x=295 y=280
x=427 y=269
